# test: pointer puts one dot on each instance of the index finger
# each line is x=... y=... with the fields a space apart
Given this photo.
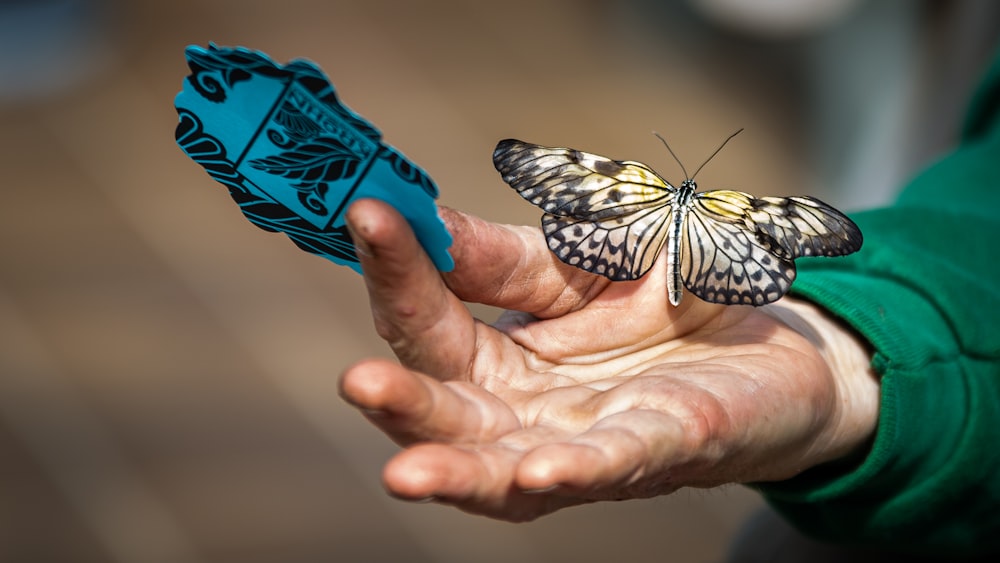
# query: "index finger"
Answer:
x=427 y=327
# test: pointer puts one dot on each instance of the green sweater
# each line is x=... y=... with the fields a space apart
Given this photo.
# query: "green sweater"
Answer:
x=924 y=292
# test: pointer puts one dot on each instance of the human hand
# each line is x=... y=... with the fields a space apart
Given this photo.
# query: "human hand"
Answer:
x=587 y=390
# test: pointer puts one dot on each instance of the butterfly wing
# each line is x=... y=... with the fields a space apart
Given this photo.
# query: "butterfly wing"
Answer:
x=601 y=215
x=572 y=183
x=739 y=249
x=619 y=248
x=805 y=226
x=725 y=259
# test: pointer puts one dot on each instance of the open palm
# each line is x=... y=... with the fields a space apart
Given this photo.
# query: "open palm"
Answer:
x=585 y=389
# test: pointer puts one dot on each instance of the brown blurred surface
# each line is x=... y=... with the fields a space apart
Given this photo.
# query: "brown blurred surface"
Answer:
x=168 y=388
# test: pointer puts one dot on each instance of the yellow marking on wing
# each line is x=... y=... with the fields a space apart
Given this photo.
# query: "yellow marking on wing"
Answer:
x=730 y=204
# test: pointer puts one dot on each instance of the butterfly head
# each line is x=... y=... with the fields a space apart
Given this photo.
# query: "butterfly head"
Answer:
x=685 y=194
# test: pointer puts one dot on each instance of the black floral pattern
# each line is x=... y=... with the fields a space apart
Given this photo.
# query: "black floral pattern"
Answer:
x=316 y=146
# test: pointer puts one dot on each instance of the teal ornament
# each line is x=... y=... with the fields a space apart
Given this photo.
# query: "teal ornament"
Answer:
x=293 y=156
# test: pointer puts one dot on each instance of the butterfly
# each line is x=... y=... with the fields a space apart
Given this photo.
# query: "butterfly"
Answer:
x=613 y=218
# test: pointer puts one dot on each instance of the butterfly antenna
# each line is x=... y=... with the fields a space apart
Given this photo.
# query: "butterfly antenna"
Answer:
x=664 y=141
x=729 y=138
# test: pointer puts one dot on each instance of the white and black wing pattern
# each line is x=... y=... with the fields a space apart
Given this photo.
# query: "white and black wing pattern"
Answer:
x=603 y=216
x=572 y=183
x=613 y=218
x=805 y=226
x=724 y=261
x=618 y=248
x=739 y=249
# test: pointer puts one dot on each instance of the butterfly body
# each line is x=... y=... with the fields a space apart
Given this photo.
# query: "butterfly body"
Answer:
x=678 y=216
x=613 y=218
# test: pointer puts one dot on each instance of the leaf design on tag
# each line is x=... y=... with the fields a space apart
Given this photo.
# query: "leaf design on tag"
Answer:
x=313 y=196
x=296 y=126
x=323 y=159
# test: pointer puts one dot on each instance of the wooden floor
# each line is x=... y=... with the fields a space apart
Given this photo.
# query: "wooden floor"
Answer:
x=168 y=387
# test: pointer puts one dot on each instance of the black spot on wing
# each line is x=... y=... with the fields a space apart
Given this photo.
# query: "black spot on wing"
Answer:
x=608 y=167
x=806 y=226
x=725 y=263
x=616 y=249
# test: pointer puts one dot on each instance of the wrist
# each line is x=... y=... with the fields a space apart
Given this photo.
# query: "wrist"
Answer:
x=854 y=417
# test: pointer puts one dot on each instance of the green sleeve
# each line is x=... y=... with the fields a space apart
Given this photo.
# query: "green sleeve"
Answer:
x=924 y=292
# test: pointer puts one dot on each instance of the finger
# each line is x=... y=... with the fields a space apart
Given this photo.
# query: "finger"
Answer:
x=628 y=317
x=512 y=268
x=624 y=456
x=475 y=480
x=410 y=407
x=412 y=309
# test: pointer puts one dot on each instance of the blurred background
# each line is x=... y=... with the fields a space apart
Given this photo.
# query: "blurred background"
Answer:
x=168 y=371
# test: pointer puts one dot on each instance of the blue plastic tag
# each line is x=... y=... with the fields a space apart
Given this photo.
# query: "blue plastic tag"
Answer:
x=293 y=157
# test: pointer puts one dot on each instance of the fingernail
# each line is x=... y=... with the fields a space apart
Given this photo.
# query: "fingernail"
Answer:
x=540 y=491
x=418 y=500
x=361 y=246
